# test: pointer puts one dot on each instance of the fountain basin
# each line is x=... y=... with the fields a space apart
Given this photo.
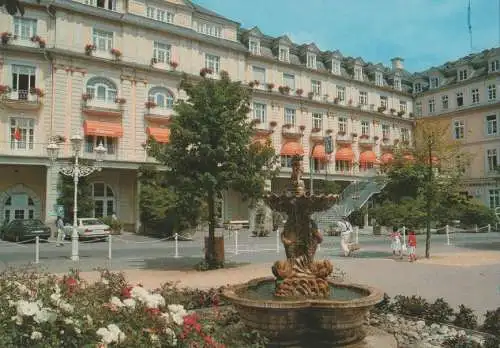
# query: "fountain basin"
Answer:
x=305 y=322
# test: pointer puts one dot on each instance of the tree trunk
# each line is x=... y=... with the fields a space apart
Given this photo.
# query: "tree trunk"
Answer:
x=210 y=256
x=429 y=206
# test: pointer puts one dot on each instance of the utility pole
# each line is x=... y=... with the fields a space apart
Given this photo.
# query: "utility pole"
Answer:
x=429 y=198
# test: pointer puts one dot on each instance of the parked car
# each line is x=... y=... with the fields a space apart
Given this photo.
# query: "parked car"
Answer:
x=18 y=230
x=88 y=228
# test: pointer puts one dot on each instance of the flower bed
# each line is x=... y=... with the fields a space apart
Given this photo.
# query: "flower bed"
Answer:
x=46 y=311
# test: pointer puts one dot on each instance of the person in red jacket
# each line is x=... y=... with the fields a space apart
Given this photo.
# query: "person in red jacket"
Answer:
x=412 y=246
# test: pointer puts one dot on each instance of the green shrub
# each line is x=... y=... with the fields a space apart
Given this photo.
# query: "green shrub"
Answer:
x=492 y=322
x=491 y=342
x=415 y=306
x=439 y=312
x=115 y=225
x=465 y=318
x=383 y=306
x=460 y=342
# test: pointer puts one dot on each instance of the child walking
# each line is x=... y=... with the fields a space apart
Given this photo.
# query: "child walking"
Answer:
x=396 y=242
x=412 y=246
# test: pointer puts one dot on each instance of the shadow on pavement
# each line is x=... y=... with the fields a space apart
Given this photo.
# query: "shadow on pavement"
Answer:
x=483 y=245
x=179 y=264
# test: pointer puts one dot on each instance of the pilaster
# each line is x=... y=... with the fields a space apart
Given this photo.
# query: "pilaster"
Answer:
x=51 y=194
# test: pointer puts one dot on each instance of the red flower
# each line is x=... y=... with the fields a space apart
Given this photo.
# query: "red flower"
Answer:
x=153 y=311
x=127 y=292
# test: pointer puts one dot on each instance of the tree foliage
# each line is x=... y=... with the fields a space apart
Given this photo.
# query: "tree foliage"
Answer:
x=13 y=7
x=210 y=148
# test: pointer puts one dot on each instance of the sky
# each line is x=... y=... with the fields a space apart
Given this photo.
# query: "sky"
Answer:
x=424 y=33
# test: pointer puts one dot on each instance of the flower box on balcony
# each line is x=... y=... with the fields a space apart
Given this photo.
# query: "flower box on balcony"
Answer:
x=256 y=83
x=310 y=95
x=4 y=89
x=315 y=130
x=284 y=89
x=410 y=114
x=154 y=61
x=364 y=136
x=401 y=113
x=376 y=137
x=273 y=123
x=385 y=139
x=37 y=91
x=150 y=104
x=173 y=64
x=302 y=128
x=270 y=87
x=329 y=131
x=6 y=37
x=86 y=96
x=116 y=53
x=89 y=48
x=205 y=71
x=39 y=40
x=299 y=92
x=256 y=121
x=58 y=139
x=381 y=108
x=288 y=125
x=251 y=84
x=354 y=134
x=336 y=100
x=393 y=111
x=120 y=101
x=341 y=133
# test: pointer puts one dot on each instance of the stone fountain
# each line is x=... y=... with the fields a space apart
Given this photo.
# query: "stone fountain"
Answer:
x=301 y=306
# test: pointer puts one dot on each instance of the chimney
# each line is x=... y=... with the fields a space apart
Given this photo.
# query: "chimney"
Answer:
x=397 y=63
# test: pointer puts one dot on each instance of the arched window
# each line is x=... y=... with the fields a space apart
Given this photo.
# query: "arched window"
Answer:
x=21 y=207
x=101 y=89
x=162 y=97
x=104 y=200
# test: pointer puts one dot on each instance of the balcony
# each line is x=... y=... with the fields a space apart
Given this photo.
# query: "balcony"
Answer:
x=386 y=142
x=292 y=131
x=22 y=100
x=317 y=135
x=158 y=114
x=23 y=149
x=366 y=140
x=100 y=107
x=262 y=128
x=343 y=138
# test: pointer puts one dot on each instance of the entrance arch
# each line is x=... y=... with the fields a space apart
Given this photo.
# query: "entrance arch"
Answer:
x=19 y=202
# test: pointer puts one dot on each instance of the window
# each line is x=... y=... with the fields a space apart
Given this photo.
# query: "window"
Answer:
x=492 y=159
x=317 y=120
x=434 y=82
x=494 y=65
x=284 y=54
x=161 y=52
x=290 y=116
x=397 y=83
x=444 y=102
x=23 y=79
x=358 y=73
x=318 y=165
x=259 y=74
x=254 y=47
x=342 y=124
x=311 y=61
x=210 y=29
x=316 y=87
x=460 y=99
x=418 y=108
x=22 y=133
x=162 y=97
x=103 y=40
x=212 y=62
x=384 y=102
x=102 y=90
x=405 y=135
x=24 y=28
x=492 y=92
x=363 y=98
x=432 y=105
x=494 y=196
x=286 y=161
x=336 y=67
x=104 y=200
x=475 y=95
x=259 y=112
x=365 y=127
x=491 y=125
x=106 y=4
x=417 y=87
x=462 y=75
x=379 y=79
x=343 y=166
x=91 y=142
x=341 y=93
x=386 y=131
x=459 y=129
x=402 y=106
x=289 y=81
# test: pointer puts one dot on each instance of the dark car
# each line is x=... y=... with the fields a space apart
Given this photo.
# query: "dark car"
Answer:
x=18 y=230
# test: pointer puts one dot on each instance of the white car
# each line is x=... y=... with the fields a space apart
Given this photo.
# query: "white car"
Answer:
x=88 y=228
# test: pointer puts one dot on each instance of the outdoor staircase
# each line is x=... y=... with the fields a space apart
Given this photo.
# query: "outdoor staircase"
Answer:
x=354 y=196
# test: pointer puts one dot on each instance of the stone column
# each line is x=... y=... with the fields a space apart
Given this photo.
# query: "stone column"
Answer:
x=137 y=204
x=366 y=221
x=51 y=194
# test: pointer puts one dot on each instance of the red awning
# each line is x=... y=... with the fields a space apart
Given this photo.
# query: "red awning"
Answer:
x=367 y=157
x=409 y=158
x=319 y=152
x=387 y=158
x=291 y=148
x=103 y=129
x=161 y=135
x=344 y=154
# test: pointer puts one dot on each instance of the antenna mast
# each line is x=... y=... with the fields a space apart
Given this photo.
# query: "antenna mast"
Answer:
x=469 y=26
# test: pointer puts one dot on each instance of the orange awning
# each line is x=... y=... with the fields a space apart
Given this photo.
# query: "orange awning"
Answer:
x=367 y=157
x=103 y=129
x=291 y=148
x=344 y=154
x=319 y=152
x=387 y=157
x=161 y=135
x=409 y=158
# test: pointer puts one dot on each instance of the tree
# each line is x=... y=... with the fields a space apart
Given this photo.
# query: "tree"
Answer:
x=13 y=6
x=210 y=147
x=84 y=195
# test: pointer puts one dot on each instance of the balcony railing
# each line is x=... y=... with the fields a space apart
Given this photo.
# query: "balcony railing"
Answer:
x=102 y=104
x=22 y=99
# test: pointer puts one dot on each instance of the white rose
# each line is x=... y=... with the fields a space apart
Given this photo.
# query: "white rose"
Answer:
x=129 y=302
x=27 y=309
x=35 y=335
x=44 y=315
x=116 y=301
x=104 y=281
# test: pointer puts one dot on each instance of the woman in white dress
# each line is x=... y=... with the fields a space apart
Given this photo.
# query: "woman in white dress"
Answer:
x=396 y=243
x=345 y=237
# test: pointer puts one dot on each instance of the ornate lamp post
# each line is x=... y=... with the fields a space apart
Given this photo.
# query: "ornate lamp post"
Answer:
x=76 y=171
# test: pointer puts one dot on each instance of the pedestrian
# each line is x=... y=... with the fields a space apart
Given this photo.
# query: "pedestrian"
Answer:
x=60 y=231
x=396 y=242
x=412 y=246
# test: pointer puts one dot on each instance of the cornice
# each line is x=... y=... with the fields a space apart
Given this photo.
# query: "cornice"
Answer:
x=460 y=84
x=460 y=112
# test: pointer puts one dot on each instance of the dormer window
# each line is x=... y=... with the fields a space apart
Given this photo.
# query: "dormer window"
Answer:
x=284 y=54
x=254 y=47
x=210 y=29
x=358 y=73
x=434 y=82
x=107 y=4
x=311 y=61
x=397 y=83
x=462 y=75
x=159 y=14
x=417 y=87
x=379 y=79
x=335 y=67
x=494 y=65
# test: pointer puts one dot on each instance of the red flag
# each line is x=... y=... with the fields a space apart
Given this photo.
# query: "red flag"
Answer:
x=17 y=134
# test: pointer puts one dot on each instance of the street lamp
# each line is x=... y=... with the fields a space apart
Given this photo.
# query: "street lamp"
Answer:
x=76 y=171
